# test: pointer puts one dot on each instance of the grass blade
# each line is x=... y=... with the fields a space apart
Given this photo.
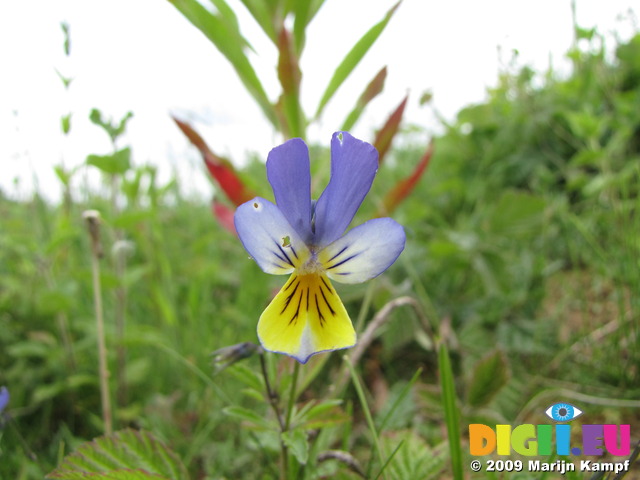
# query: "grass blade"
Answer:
x=370 y=92
x=365 y=409
x=353 y=58
x=388 y=461
x=229 y=41
x=302 y=11
x=450 y=411
x=263 y=12
x=405 y=391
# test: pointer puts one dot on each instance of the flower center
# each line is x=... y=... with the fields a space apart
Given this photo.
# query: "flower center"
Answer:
x=312 y=265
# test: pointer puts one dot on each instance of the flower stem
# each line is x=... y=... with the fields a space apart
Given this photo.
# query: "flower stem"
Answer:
x=273 y=401
x=292 y=395
x=287 y=418
x=271 y=394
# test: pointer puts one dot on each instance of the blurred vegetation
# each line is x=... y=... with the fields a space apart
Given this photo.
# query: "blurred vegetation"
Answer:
x=523 y=257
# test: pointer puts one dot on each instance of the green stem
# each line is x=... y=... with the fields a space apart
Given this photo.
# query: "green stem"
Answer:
x=292 y=395
x=273 y=396
x=287 y=419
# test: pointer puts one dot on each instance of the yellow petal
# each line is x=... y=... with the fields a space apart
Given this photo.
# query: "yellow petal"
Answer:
x=305 y=318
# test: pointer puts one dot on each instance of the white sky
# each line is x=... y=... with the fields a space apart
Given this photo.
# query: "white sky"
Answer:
x=142 y=55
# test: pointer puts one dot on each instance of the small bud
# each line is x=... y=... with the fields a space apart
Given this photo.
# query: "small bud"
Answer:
x=227 y=356
x=92 y=217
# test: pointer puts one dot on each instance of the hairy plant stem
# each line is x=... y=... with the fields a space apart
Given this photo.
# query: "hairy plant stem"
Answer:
x=283 y=422
x=93 y=224
x=290 y=405
x=292 y=395
x=272 y=395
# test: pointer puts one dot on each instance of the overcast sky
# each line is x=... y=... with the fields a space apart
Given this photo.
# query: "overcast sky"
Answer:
x=143 y=56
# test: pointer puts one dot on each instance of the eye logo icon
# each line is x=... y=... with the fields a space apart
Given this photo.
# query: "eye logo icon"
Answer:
x=563 y=412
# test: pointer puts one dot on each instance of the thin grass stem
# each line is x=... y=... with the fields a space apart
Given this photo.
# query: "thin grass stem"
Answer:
x=92 y=218
x=365 y=408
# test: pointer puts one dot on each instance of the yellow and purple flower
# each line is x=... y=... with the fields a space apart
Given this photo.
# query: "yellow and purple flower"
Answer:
x=306 y=239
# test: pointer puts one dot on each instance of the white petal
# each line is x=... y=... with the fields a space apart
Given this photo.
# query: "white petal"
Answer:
x=364 y=252
x=268 y=237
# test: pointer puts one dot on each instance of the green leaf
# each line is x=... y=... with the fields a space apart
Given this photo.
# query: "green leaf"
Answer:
x=313 y=409
x=228 y=15
x=62 y=175
x=304 y=11
x=227 y=38
x=67 y=38
x=373 y=89
x=353 y=58
x=301 y=20
x=296 y=441
x=489 y=375
x=317 y=415
x=263 y=13
x=65 y=123
x=116 y=163
x=130 y=219
x=249 y=416
x=126 y=474
x=248 y=376
x=416 y=459
x=113 y=130
x=164 y=305
x=517 y=214
x=399 y=400
x=74 y=382
x=127 y=454
x=365 y=409
x=451 y=413
x=66 y=81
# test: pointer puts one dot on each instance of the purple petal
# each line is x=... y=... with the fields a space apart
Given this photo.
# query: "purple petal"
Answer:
x=268 y=237
x=288 y=173
x=364 y=252
x=353 y=167
x=4 y=398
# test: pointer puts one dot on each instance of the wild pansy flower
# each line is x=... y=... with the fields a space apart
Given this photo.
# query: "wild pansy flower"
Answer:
x=306 y=239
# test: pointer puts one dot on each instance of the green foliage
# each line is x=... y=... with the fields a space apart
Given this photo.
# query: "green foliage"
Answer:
x=522 y=254
x=127 y=454
x=221 y=27
x=116 y=163
x=352 y=59
x=451 y=415
x=415 y=458
x=112 y=128
x=488 y=377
